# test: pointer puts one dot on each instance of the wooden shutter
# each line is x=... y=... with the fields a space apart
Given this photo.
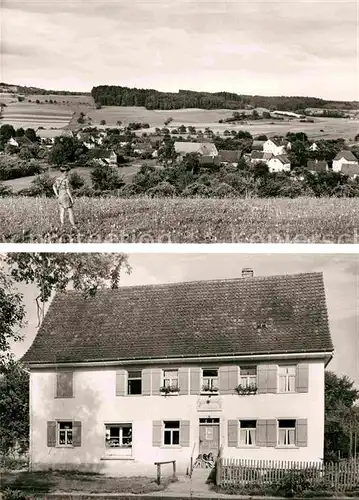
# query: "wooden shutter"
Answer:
x=64 y=384
x=302 y=377
x=76 y=433
x=302 y=432
x=233 y=433
x=261 y=433
x=121 y=383
x=195 y=380
x=272 y=432
x=272 y=379
x=156 y=381
x=51 y=434
x=262 y=379
x=184 y=432
x=146 y=382
x=156 y=433
x=228 y=379
x=183 y=380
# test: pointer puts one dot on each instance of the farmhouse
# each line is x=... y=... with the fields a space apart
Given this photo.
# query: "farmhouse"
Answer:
x=142 y=374
x=259 y=157
x=351 y=170
x=48 y=136
x=104 y=157
x=279 y=163
x=313 y=147
x=342 y=158
x=202 y=148
x=229 y=157
x=276 y=146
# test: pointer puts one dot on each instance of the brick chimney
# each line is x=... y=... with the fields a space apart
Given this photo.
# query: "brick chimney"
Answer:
x=247 y=272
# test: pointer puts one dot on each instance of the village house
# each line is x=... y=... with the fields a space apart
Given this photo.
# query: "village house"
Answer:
x=279 y=163
x=351 y=170
x=313 y=147
x=142 y=374
x=257 y=145
x=202 y=148
x=48 y=136
x=107 y=157
x=259 y=157
x=344 y=157
x=229 y=156
x=315 y=166
x=276 y=145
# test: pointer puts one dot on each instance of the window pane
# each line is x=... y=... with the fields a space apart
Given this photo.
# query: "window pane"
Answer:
x=69 y=437
x=291 y=384
x=248 y=424
x=167 y=437
x=65 y=425
x=251 y=436
x=135 y=374
x=135 y=386
x=210 y=372
x=250 y=370
x=282 y=381
x=170 y=373
x=114 y=432
x=281 y=436
x=243 y=434
x=172 y=425
x=287 y=424
x=62 y=437
x=291 y=437
x=175 y=437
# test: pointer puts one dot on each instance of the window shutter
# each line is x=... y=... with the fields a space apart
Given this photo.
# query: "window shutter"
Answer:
x=272 y=378
x=261 y=433
x=64 y=384
x=228 y=379
x=272 y=432
x=302 y=432
x=302 y=377
x=121 y=383
x=233 y=433
x=262 y=379
x=76 y=430
x=195 y=380
x=146 y=382
x=156 y=433
x=156 y=381
x=184 y=432
x=183 y=380
x=51 y=434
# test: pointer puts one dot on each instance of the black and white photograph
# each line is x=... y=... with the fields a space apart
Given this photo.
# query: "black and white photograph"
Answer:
x=179 y=121
x=180 y=375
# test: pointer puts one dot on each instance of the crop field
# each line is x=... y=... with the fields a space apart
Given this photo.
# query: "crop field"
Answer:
x=25 y=114
x=176 y=220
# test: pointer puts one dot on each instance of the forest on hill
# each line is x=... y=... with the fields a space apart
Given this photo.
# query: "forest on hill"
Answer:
x=113 y=95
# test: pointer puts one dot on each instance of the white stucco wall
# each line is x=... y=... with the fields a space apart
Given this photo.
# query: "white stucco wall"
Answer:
x=275 y=165
x=95 y=403
x=270 y=147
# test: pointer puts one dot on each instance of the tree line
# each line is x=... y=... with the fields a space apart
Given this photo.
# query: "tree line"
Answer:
x=113 y=95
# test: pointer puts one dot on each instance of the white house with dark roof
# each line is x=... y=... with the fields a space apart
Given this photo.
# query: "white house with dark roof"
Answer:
x=344 y=157
x=276 y=146
x=279 y=163
x=143 y=374
x=202 y=148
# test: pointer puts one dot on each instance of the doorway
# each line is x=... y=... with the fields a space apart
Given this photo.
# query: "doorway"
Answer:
x=209 y=436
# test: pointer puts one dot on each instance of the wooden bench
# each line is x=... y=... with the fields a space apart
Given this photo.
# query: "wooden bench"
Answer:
x=158 y=464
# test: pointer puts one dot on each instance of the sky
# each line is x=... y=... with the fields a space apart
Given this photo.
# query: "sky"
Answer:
x=281 y=47
x=341 y=280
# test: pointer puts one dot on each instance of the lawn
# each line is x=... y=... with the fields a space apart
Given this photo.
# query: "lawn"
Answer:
x=65 y=481
x=177 y=220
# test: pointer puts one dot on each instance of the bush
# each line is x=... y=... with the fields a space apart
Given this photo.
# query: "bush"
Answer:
x=292 y=484
x=105 y=177
x=76 y=180
x=10 y=494
x=13 y=168
x=163 y=189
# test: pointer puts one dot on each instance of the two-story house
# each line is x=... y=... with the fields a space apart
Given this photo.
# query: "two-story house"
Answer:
x=201 y=148
x=276 y=146
x=160 y=372
x=279 y=163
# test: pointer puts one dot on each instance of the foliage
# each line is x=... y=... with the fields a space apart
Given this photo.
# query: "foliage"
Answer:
x=153 y=99
x=66 y=150
x=341 y=416
x=76 y=181
x=168 y=389
x=14 y=408
x=163 y=189
x=106 y=177
x=292 y=483
x=6 y=132
x=246 y=391
x=12 y=315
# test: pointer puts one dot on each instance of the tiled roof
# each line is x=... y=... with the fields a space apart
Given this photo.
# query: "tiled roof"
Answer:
x=258 y=144
x=282 y=158
x=52 y=133
x=205 y=148
x=200 y=318
x=347 y=155
x=279 y=141
x=317 y=166
x=229 y=155
x=261 y=155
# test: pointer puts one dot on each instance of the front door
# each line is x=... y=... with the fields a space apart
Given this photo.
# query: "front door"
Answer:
x=209 y=436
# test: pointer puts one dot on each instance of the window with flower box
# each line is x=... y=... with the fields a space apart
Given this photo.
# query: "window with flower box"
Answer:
x=210 y=381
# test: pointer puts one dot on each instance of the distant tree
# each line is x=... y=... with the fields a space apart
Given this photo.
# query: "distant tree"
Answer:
x=25 y=153
x=106 y=178
x=261 y=137
x=20 y=132
x=168 y=121
x=20 y=98
x=98 y=105
x=166 y=153
x=31 y=134
x=76 y=180
x=266 y=115
x=191 y=129
x=182 y=129
x=119 y=123
x=103 y=122
x=65 y=150
x=6 y=133
x=356 y=138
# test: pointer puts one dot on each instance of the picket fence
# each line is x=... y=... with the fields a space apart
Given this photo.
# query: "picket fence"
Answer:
x=338 y=476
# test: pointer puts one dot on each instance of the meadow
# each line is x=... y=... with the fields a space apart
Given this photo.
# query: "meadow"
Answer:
x=30 y=114
x=178 y=220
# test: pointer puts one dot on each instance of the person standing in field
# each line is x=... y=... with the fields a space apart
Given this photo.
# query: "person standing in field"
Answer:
x=62 y=192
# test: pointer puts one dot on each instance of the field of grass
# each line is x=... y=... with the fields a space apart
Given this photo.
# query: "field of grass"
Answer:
x=30 y=114
x=176 y=220
x=56 y=481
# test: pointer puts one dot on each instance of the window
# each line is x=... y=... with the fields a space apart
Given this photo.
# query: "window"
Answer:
x=210 y=379
x=286 y=432
x=247 y=435
x=171 y=433
x=286 y=378
x=134 y=382
x=64 y=433
x=170 y=378
x=248 y=376
x=118 y=435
